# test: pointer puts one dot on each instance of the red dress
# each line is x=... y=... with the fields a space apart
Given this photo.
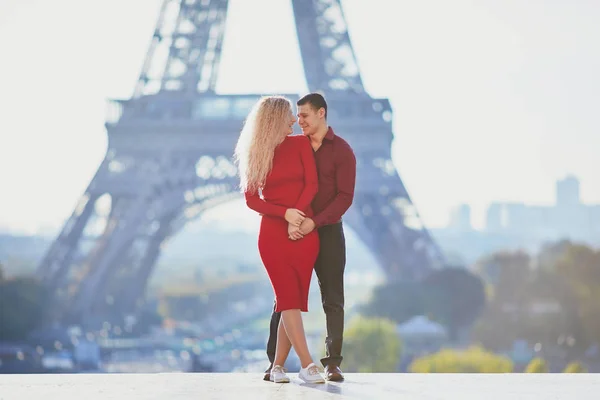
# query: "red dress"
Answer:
x=292 y=183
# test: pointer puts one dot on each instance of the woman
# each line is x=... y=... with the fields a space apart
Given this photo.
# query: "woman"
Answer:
x=283 y=169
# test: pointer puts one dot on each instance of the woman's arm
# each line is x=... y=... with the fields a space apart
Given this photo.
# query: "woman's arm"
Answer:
x=254 y=202
x=291 y=215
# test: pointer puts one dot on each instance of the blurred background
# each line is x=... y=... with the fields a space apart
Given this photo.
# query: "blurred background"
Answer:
x=124 y=246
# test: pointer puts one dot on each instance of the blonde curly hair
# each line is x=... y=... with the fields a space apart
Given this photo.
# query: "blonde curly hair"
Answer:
x=264 y=130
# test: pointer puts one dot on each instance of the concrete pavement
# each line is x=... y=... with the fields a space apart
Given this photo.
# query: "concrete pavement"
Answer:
x=247 y=386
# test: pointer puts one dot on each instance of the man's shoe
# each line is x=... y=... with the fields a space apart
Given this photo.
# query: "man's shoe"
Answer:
x=333 y=373
x=267 y=376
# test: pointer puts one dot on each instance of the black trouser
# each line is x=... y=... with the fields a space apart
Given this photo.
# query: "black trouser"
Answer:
x=329 y=268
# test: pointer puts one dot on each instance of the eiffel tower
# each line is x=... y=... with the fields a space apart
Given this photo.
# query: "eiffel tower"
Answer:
x=169 y=160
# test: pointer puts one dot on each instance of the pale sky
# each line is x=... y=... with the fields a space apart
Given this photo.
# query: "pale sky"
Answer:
x=493 y=100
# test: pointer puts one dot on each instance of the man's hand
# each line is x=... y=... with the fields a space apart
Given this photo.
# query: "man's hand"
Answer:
x=294 y=232
x=307 y=226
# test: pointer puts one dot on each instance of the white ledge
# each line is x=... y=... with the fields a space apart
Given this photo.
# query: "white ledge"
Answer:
x=245 y=386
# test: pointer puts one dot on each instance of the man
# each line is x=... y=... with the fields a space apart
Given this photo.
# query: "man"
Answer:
x=336 y=168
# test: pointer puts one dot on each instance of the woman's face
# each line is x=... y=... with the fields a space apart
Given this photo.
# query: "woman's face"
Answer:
x=290 y=123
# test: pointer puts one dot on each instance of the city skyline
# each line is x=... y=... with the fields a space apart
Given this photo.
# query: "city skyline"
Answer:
x=493 y=109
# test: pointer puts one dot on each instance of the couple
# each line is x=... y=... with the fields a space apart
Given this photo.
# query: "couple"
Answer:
x=307 y=184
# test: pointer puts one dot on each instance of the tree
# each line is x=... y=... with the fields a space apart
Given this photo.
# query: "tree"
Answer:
x=574 y=368
x=371 y=345
x=537 y=366
x=398 y=302
x=454 y=296
x=504 y=268
x=579 y=269
x=22 y=307
x=472 y=360
x=556 y=304
x=551 y=253
x=515 y=289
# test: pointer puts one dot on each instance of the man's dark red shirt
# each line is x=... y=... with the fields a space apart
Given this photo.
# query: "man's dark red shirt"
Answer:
x=336 y=167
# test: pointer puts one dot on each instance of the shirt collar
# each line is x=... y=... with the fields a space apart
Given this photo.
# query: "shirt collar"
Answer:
x=329 y=135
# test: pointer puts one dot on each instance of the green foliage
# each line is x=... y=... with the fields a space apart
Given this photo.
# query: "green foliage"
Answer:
x=575 y=367
x=538 y=312
x=13 y=266
x=541 y=300
x=22 y=306
x=537 y=365
x=579 y=269
x=371 y=345
x=472 y=360
x=508 y=272
x=193 y=302
x=397 y=301
x=454 y=297
x=551 y=253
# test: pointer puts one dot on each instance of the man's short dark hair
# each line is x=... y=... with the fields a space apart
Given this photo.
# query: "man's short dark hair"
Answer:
x=316 y=101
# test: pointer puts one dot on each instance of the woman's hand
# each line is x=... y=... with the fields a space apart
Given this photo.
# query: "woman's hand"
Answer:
x=294 y=232
x=294 y=216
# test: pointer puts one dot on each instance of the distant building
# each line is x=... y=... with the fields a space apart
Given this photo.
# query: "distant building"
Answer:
x=460 y=218
x=568 y=218
x=567 y=192
x=495 y=218
x=519 y=226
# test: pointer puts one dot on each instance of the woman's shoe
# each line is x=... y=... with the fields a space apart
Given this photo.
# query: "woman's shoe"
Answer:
x=278 y=375
x=311 y=374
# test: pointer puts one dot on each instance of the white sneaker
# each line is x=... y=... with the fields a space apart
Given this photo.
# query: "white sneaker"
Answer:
x=278 y=375
x=311 y=374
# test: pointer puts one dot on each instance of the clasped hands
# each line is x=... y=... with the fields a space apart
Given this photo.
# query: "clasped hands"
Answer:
x=298 y=224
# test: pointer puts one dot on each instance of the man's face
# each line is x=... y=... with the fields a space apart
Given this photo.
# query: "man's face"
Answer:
x=309 y=119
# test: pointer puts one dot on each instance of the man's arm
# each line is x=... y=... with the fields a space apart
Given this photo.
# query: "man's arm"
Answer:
x=345 y=176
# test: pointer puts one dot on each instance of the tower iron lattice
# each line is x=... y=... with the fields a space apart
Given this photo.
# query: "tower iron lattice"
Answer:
x=169 y=160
